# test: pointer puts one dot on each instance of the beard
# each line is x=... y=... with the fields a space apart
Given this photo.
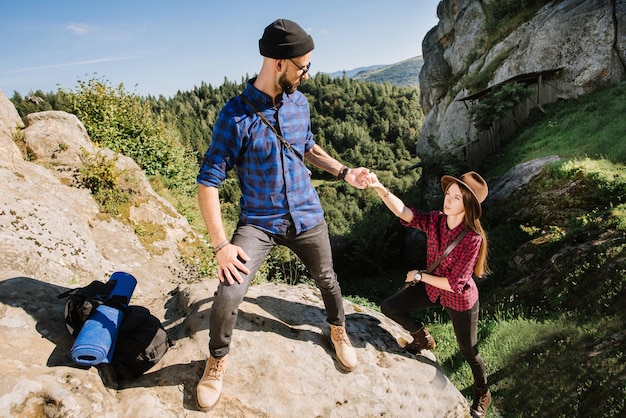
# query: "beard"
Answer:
x=285 y=85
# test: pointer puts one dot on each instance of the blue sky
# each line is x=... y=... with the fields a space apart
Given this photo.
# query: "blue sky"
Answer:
x=158 y=47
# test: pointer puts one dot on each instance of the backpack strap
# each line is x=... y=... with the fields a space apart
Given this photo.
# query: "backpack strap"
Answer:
x=447 y=252
x=267 y=122
x=94 y=290
x=66 y=293
x=434 y=265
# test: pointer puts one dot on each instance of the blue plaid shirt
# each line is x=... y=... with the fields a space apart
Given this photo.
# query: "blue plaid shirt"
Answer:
x=275 y=184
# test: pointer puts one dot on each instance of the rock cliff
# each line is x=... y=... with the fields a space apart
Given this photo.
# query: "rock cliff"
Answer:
x=586 y=38
x=54 y=237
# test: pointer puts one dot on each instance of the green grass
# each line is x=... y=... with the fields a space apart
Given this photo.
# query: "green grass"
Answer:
x=501 y=342
x=552 y=333
x=554 y=368
x=591 y=126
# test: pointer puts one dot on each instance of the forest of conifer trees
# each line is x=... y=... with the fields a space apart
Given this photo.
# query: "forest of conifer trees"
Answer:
x=359 y=123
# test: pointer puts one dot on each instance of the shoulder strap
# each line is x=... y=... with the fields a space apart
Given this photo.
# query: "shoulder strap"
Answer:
x=267 y=122
x=447 y=252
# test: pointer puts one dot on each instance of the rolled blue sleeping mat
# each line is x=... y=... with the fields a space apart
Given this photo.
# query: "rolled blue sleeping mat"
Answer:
x=124 y=287
x=95 y=342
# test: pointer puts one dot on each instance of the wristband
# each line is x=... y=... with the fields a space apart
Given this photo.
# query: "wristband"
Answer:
x=222 y=245
x=342 y=173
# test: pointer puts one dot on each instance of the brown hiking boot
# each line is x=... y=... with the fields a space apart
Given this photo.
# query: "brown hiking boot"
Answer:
x=482 y=400
x=343 y=348
x=209 y=387
x=422 y=340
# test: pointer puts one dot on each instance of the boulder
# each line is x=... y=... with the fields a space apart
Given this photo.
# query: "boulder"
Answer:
x=10 y=124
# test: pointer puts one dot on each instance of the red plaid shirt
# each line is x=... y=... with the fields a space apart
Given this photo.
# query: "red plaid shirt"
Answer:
x=457 y=267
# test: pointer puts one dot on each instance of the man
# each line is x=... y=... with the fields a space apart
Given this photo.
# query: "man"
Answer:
x=266 y=134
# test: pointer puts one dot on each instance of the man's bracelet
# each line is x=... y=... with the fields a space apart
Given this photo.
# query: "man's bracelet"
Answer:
x=222 y=245
x=342 y=173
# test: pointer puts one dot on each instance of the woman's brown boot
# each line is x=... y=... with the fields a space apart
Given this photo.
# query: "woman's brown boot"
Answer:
x=482 y=400
x=422 y=340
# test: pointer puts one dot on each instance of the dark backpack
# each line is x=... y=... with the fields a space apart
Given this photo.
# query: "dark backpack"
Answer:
x=141 y=343
x=82 y=302
x=141 y=339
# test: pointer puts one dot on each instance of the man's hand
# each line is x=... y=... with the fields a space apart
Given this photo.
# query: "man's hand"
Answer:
x=358 y=177
x=231 y=262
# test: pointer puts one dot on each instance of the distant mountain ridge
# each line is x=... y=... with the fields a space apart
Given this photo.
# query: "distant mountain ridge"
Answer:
x=403 y=73
x=354 y=72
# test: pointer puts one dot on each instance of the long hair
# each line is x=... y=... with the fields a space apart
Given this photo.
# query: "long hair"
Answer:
x=472 y=221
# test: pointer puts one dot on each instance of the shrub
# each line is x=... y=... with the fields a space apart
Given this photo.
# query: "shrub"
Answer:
x=497 y=104
x=101 y=177
x=503 y=16
x=125 y=124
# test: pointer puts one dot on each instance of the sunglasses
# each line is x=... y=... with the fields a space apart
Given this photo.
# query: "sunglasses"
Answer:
x=303 y=69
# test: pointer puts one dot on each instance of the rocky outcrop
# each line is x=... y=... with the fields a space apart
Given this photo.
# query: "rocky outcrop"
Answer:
x=53 y=236
x=585 y=38
x=518 y=176
x=10 y=124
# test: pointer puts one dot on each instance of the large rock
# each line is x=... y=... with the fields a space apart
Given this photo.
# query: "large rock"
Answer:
x=58 y=141
x=578 y=35
x=10 y=124
x=54 y=237
x=57 y=138
x=281 y=363
x=517 y=177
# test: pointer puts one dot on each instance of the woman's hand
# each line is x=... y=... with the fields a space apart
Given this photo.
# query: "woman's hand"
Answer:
x=374 y=183
x=410 y=276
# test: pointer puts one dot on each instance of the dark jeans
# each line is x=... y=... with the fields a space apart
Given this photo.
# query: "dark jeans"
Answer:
x=399 y=306
x=312 y=247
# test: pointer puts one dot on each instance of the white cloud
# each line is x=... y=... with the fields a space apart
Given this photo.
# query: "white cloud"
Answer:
x=78 y=28
x=76 y=63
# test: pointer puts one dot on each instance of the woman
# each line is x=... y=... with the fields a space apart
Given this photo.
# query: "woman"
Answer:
x=451 y=283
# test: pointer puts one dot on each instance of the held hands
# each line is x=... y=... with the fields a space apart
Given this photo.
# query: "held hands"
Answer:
x=358 y=177
x=361 y=178
x=381 y=190
x=392 y=202
x=374 y=183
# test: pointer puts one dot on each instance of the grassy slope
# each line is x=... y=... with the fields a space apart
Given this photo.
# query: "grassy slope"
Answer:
x=552 y=328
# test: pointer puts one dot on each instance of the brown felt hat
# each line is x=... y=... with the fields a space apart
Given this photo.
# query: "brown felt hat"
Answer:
x=283 y=39
x=473 y=182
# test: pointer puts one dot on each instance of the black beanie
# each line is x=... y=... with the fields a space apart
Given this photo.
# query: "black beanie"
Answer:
x=284 y=39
